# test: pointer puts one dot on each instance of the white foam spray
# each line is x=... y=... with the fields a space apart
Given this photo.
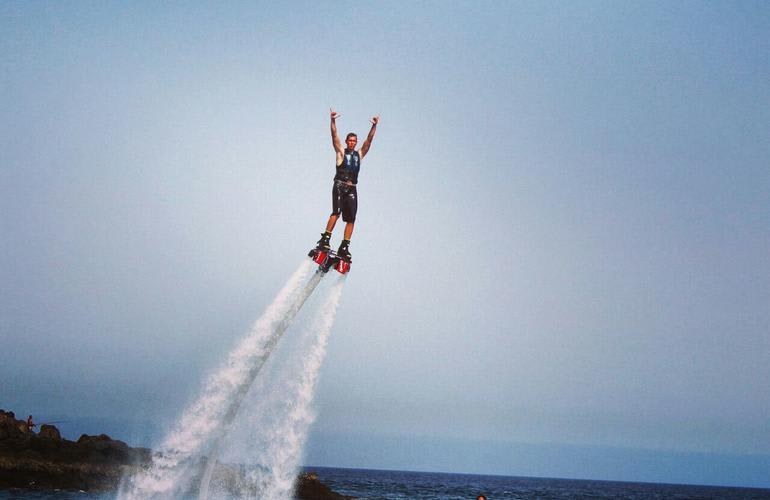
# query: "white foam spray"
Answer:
x=283 y=413
x=203 y=424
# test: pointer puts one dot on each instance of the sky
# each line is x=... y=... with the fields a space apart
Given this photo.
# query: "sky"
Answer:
x=562 y=238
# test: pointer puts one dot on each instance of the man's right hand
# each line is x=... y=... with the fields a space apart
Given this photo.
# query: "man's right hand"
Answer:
x=335 y=139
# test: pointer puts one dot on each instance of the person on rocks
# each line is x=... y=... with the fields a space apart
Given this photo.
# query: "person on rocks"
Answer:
x=344 y=193
x=30 y=424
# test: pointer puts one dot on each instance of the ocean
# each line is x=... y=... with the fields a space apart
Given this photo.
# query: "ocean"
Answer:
x=386 y=485
x=375 y=484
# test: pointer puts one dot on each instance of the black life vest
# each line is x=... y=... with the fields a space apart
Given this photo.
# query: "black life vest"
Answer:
x=347 y=171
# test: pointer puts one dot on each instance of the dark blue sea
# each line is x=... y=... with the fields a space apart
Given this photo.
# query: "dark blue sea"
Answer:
x=377 y=484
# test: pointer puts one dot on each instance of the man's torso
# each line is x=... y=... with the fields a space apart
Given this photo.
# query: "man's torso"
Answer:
x=348 y=168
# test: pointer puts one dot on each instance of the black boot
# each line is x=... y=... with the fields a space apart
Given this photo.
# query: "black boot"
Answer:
x=343 y=252
x=323 y=243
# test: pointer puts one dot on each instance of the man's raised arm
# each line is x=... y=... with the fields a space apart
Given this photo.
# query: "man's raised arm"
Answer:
x=369 y=138
x=336 y=144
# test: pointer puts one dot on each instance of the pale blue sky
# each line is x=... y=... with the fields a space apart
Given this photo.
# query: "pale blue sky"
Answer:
x=563 y=228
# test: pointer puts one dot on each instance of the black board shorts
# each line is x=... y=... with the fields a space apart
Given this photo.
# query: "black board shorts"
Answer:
x=344 y=200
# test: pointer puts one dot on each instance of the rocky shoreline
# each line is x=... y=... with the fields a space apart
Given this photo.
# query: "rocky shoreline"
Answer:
x=46 y=461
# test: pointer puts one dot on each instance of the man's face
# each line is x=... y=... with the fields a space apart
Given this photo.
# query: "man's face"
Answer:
x=351 y=142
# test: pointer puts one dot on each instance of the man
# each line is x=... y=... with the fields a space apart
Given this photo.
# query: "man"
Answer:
x=344 y=194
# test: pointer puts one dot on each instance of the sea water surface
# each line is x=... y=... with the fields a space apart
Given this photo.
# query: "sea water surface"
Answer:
x=377 y=484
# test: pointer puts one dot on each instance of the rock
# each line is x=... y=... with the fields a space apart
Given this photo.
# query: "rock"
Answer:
x=49 y=432
x=9 y=426
x=47 y=461
x=94 y=441
x=105 y=449
x=310 y=488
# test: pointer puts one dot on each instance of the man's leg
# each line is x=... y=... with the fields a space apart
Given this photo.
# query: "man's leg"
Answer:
x=349 y=209
x=323 y=243
x=344 y=250
x=332 y=222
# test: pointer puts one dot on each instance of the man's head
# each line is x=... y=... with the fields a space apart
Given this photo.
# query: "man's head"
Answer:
x=481 y=497
x=351 y=140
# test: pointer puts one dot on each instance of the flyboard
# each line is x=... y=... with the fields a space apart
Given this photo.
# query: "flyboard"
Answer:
x=326 y=259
